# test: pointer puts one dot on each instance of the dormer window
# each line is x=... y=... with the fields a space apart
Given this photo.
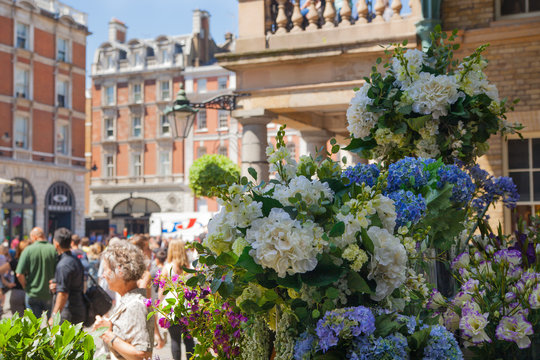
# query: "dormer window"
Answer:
x=164 y=55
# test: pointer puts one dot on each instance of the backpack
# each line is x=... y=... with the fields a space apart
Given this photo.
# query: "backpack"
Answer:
x=97 y=301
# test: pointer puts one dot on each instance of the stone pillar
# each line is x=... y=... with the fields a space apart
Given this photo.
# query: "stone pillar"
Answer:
x=254 y=140
x=314 y=139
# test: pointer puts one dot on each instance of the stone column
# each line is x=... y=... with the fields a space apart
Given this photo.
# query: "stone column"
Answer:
x=315 y=139
x=254 y=140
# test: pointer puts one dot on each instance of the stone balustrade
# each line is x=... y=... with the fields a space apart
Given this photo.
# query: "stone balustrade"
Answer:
x=286 y=16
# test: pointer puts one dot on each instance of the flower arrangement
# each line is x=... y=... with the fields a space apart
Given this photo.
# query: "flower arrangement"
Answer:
x=497 y=310
x=429 y=105
x=362 y=334
x=203 y=315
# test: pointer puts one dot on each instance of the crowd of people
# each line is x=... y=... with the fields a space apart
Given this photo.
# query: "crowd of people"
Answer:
x=52 y=277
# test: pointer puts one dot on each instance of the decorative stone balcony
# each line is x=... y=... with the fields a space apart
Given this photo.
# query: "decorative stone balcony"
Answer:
x=301 y=70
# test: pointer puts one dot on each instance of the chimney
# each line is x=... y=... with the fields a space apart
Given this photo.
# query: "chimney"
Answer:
x=201 y=36
x=117 y=31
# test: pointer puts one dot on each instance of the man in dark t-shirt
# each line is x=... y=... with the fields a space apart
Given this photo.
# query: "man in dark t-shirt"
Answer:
x=69 y=277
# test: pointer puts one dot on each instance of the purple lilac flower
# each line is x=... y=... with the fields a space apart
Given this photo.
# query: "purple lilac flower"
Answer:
x=510 y=256
x=148 y=302
x=362 y=173
x=442 y=345
x=408 y=173
x=352 y=321
x=519 y=245
x=409 y=207
x=463 y=186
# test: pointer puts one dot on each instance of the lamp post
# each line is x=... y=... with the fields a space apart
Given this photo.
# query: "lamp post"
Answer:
x=181 y=115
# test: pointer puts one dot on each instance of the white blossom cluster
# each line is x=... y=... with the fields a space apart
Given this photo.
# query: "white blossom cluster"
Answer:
x=388 y=264
x=281 y=157
x=238 y=212
x=285 y=245
x=360 y=119
x=406 y=74
x=312 y=191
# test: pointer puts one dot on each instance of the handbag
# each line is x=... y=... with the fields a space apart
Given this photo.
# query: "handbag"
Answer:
x=98 y=302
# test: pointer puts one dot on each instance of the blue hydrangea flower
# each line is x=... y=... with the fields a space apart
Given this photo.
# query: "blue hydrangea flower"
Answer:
x=442 y=345
x=409 y=207
x=393 y=347
x=344 y=323
x=463 y=188
x=304 y=346
x=408 y=173
x=493 y=189
x=362 y=173
x=410 y=321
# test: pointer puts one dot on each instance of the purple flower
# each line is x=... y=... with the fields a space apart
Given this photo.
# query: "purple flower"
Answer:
x=164 y=323
x=148 y=302
x=515 y=329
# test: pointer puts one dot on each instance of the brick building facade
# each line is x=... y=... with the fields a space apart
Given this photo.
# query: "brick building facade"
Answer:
x=42 y=112
x=139 y=167
x=512 y=28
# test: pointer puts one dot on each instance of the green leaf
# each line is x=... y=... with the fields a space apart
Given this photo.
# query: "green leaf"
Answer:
x=357 y=283
x=366 y=241
x=324 y=274
x=226 y=259
x=360 y=146
x=301 y=312
x=188 y=270
x=405 y=110
x=268 y=203
x=253 y=173
x=216 y=283
x=332 y=293
x=418 y=123
x=419 y=338
x=192 y=281
x=337 y=230
x=246 y=261
x=290 y=281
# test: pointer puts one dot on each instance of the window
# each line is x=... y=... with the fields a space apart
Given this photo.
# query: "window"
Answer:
x=515 y=7
x=164 y=163
x=201 y=151
x=222 y=83
x=21 y=133
x=62 y=90
x=223 y=118
x=136 y=165
x=138 y=59
x=201 y=85
x=201 y=119
x=223 y=151
x=136 y=128
x=292 y=149
x=22 y=83
x=19 y=208
x=109 y=166
x=137 y=93
x=164 y=125
x=23 y=32
x=62 y=50
x=165 y=93
x=524 y=169
x=62 y=139
x=110 y=62
x=109 y=95
x=109 y=128
x=164 y=55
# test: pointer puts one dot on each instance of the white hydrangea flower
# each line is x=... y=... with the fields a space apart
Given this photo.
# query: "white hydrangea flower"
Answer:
x=221 y=234
x=353 y=225
x=386 y=211
x=433 y=94
x=415 y=59
x=360 y=120
x=284 y=244
x=388 y=264
x=309 y=189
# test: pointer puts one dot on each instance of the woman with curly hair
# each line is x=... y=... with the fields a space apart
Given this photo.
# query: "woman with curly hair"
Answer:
x=129 y=335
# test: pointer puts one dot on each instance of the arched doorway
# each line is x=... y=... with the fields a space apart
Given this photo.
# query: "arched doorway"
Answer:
x=18 y=214
x=59 y=207
x=136 y=214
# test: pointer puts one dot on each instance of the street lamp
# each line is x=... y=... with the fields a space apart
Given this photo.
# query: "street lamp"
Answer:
x=181 y=114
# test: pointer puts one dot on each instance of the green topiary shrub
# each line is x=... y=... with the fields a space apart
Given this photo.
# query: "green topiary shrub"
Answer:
x=211 y=171
x=28 y=337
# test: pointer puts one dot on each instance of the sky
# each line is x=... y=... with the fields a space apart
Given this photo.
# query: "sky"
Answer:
x=150 y=18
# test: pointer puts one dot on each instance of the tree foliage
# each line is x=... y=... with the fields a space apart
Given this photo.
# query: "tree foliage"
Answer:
x=211 y=171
